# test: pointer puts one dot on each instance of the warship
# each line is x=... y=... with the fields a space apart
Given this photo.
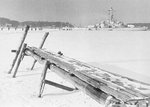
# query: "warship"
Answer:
x=112 y=24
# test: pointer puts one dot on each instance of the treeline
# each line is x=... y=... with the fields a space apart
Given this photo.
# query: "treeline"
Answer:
x=5 y=22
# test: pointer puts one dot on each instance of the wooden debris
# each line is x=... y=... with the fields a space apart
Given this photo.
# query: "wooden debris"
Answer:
x=40 y=47
x=93 y=77
x=19 y=59
x=44 y=81
x=19 y=48
x=42 y=84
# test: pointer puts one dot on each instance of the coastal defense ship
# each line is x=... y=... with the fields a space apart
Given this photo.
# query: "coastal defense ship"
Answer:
x=114 y=25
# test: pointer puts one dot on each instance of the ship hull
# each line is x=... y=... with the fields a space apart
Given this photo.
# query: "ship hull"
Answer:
x=123 y=29
x=131 y=29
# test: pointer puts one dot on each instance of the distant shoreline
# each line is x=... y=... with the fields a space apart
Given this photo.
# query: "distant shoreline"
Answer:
x=5 y=22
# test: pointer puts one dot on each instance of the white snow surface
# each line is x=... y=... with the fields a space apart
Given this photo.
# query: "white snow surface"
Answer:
x=125 y=53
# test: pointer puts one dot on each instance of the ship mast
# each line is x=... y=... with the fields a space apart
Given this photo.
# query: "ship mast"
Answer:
x=110 y=11
x=111 y=14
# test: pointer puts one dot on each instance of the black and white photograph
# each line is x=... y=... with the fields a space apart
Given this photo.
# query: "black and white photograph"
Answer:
x=74 y=53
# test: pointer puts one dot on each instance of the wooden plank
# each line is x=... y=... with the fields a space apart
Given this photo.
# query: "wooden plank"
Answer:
x=19 y=48
x=89 y=75
x=35 y=56
x=66 y=65
x=94 y=93
x=19 y=60
x=92 y=82
x=40 y=47
x=59 y=85
x=42 y=84
x=43 y=40
x=71 y=66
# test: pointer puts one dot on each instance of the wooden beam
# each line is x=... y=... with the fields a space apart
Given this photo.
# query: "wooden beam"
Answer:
x=72 y=65
x=19 y=48
x=43 y=76
x=40 y=47
x=59 y=85
x=19 y=59
x=95 y=93
x=43 y=40
x=101 y=84
x=89 y=75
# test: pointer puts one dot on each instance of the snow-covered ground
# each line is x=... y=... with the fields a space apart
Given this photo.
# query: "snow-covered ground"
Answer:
x=126 y=53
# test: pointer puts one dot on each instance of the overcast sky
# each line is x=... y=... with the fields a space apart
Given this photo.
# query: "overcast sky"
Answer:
x=75 y=11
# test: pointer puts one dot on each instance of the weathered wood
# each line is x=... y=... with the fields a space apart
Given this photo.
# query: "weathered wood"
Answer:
x=43 y=40
x=92 y=76
x=19 y=48
x=36 y=57
x=13 y=51
x=114 y=90
x=19 y=59
x=93 y=92
x=59 y=85
x=40 y=47
x=71 y=65
x=42 y=84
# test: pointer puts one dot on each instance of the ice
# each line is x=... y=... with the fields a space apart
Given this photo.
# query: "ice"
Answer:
x=123 y=52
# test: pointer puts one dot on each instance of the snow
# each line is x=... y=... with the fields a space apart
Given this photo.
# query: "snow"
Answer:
x=125 y=53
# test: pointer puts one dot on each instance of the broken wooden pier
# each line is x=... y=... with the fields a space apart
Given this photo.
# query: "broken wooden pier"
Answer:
x=103 y=86
x=97 y=83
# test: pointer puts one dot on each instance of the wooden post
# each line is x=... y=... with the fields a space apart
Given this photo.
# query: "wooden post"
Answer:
x=41 y=45
x=19 y=59
x=19 y=48
x=42 y=84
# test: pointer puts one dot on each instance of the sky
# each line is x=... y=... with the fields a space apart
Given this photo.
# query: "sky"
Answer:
x=77 y=12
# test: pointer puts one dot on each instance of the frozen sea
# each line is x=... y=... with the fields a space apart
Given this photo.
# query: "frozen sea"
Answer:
x=123 y=52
